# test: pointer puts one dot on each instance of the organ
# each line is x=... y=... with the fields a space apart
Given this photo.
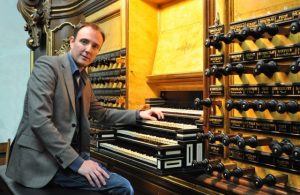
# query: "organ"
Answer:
x=224 y=73
x=164 y=147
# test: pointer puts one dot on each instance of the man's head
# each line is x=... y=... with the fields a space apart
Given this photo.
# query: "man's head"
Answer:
x=86 y=43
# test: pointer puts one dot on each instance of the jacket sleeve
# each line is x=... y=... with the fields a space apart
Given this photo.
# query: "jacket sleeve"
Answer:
x=111 y=116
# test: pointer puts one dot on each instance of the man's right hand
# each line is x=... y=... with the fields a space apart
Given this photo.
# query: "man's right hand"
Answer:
x=94 y=173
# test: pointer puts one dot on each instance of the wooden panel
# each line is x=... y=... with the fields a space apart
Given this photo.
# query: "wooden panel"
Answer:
x=180 y=44
x=142 y=41
x=59 y=37
x=246 y=9
x=160 y=46
x=111 y=22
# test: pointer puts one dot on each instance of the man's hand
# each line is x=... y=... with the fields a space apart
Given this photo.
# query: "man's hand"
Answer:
x=94 y=173
x=151 y=114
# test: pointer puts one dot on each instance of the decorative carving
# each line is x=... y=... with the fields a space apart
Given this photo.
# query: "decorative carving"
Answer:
x=65 y=45
x=64 y=48
x=37 y=14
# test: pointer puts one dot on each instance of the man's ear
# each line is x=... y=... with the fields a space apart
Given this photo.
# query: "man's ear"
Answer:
x=72 y=40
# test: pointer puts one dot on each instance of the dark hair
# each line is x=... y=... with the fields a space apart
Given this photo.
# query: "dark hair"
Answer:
x=85 y=24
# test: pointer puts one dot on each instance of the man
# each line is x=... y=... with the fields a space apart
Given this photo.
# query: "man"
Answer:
x=52 y=141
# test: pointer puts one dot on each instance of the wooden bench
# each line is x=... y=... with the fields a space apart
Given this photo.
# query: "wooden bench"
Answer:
x=4 y=152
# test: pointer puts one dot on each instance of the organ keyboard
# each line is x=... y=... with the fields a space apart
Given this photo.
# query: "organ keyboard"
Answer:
x=170 y=125
x=129 y=153
x=181 y=112
x=163 y=147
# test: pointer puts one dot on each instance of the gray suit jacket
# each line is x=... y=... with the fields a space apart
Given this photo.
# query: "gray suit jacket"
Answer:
x=43 y=139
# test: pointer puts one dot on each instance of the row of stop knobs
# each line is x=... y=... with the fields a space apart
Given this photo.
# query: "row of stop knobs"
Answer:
x=229 y=170
x=261 y=30
x=277 y=148
x=262 y=105
x=262 y=67
x=257 y=105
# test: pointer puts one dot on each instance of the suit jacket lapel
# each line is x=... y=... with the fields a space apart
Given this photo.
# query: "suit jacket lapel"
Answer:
x=68 y=77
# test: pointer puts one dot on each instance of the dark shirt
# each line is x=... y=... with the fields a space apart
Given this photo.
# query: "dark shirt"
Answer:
x=75 y=165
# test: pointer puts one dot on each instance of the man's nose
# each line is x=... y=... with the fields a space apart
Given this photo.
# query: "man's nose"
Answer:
x=89 y=48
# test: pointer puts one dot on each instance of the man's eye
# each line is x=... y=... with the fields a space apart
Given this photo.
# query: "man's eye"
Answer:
x=95 y=46
x=84 y=42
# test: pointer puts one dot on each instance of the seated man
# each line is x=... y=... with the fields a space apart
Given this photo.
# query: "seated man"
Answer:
x=52 y=141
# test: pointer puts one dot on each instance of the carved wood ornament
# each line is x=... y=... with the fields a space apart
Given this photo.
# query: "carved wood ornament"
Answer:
x=37 y=14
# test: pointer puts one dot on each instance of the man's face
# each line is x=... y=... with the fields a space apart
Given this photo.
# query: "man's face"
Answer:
x=86 y=46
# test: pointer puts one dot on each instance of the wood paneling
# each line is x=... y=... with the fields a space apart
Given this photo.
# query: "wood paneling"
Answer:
x=180 y=45
x=141 y=46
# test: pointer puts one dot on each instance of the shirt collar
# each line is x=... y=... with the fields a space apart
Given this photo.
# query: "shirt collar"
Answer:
x=74 y=67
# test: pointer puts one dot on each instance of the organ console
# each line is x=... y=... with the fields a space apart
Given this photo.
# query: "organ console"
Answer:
x=238 y=172
x=278 y=148
x=269 y=180
x=164 y=147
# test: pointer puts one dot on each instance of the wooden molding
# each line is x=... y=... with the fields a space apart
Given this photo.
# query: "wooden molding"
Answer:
x=177 y=82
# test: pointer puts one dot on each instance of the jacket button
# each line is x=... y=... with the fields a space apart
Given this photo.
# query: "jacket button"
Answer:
x=73 y=125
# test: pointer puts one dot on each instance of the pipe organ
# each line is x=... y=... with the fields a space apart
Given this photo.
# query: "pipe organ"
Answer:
x=224 y=73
